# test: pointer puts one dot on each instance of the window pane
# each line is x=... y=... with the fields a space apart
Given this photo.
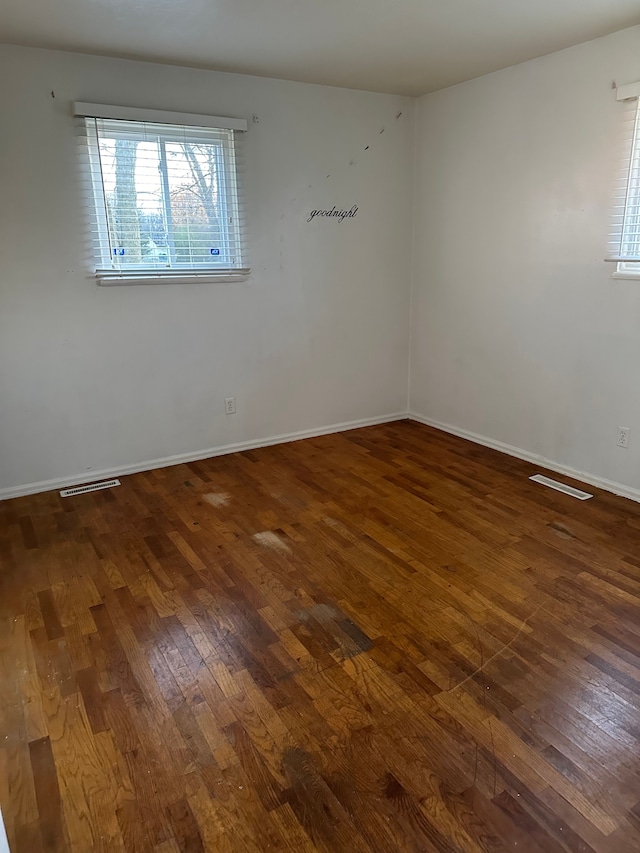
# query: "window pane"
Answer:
x=133 y=190
x=166 y=197
x=149 y=205
x=631 y=228
x=194 y=172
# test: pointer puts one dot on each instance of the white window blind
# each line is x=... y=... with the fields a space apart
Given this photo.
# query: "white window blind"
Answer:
x=164 y=198
x=624 y=238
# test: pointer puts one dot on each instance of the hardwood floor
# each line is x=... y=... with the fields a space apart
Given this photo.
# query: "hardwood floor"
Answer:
x=383 y=640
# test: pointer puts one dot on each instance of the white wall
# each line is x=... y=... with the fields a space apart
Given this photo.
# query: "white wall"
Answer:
x=519 y=334
x=96 y=378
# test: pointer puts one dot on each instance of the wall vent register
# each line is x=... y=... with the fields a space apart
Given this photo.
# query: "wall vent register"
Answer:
x=91 y=487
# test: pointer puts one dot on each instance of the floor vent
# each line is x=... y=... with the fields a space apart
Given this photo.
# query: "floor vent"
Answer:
x=92 y=487
x=561 y=487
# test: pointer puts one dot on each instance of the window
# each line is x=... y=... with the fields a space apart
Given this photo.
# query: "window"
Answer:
x=164 y=195
x=624 y=243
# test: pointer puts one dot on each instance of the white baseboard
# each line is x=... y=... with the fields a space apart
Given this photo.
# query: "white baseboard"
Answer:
x=195 y=456
x=542 y=461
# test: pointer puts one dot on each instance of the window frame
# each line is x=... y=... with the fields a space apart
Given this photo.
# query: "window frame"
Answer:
x=628 y=269
x=195 y=129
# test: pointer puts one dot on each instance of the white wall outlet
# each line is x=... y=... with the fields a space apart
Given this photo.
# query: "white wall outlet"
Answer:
x=623 y=436
x=229 y=405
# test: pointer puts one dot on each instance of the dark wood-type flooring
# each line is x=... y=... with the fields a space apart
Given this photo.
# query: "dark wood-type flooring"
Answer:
x=382 y=640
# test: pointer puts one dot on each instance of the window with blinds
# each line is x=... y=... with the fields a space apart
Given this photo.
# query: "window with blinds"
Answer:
x=624 y=240
x=164 y=196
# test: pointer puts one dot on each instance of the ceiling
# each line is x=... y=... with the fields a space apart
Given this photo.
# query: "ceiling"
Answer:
x=402 y=46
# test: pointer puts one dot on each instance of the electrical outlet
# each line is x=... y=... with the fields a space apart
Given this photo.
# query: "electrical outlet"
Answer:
x=229 y=405
x=623 y=436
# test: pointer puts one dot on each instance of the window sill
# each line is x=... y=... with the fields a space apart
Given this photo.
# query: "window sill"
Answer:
x=111 y=279
x=630 y=276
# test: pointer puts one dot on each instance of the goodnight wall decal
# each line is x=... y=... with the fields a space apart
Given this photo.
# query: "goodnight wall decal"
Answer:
x=340 y=215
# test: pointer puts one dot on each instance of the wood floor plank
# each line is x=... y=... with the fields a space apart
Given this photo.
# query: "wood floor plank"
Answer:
x=383 y=640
